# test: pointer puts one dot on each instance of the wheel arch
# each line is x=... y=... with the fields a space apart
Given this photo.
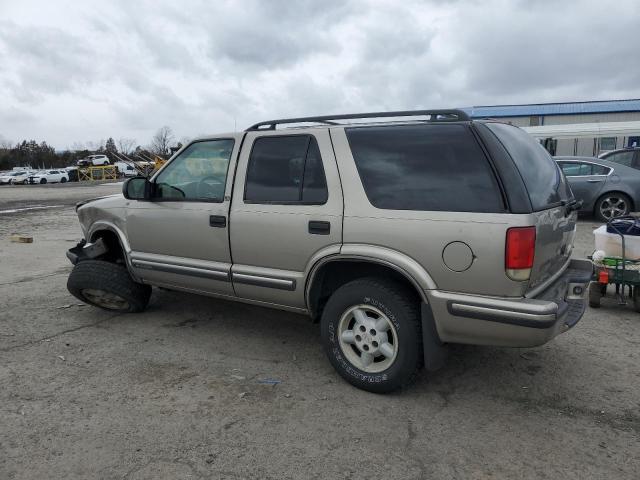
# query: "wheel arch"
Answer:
x=111 y=233
x=331 y=272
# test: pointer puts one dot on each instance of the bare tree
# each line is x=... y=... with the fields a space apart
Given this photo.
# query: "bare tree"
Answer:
x=126 y=145
x=162 y=140
x=4 y=143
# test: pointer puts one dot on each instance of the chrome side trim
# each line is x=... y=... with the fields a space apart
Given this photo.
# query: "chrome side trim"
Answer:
x=182 y=270
x=268 y=282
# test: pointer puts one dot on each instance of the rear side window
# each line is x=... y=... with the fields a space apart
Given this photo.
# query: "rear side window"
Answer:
x=578 y=169
x=424 y=167
x=623 y=158
x=286 y=170
x=546 y=187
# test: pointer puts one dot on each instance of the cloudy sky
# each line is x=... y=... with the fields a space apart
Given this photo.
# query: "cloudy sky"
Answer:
x=79 y=71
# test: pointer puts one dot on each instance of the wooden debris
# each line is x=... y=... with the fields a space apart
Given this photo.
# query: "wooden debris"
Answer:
x=17 y=238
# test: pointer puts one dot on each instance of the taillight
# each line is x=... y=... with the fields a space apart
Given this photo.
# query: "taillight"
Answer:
x=519 y=251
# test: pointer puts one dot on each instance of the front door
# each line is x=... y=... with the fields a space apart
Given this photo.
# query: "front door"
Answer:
x=180 y=238
x=286 y=214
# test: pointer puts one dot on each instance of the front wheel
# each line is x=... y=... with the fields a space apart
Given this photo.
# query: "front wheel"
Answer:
x=372 y=335
x=43 y=181
x=63 y=180
x=107 y=285
x=612 y=205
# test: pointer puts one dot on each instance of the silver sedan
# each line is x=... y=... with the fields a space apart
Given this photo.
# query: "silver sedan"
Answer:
x=607 y=189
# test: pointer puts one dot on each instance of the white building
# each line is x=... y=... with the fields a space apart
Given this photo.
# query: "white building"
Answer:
x=576 y=128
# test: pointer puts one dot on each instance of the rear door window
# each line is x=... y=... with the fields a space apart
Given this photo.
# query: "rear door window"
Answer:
x=286 y=170
x=582 y=169
x=424 y=167
x=547 y=188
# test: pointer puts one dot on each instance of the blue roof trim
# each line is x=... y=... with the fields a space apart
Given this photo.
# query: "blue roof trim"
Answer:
x=611 y=106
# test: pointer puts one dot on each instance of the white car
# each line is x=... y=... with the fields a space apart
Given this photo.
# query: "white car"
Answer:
x=22 y=178
x=8 y=177
x=49 y=176
x=93 y=160
x=126 y=169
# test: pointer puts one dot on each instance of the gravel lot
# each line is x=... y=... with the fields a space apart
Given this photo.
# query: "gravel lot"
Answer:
x=202 y=388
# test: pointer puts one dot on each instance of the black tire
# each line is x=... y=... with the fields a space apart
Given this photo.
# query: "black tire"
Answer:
x=606 y=199
x=400 y=308
x=43 y=181
x=63 y=180
x=595 y=294
x=112 y=279
x=636 y=299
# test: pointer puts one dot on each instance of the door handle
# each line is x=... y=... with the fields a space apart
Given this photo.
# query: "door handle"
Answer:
x=319 y=228
x=594 y=180
x=218 y=221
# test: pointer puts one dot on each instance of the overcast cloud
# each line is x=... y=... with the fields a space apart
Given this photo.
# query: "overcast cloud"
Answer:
x=81 y=71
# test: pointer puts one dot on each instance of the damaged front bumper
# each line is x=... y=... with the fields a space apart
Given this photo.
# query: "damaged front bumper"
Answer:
x=86 y=251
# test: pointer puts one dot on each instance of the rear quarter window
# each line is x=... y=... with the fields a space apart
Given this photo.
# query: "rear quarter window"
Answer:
x=546 y=186
x=424 y=167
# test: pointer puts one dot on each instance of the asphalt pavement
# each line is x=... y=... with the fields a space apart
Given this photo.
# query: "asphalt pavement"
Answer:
x=202 y=388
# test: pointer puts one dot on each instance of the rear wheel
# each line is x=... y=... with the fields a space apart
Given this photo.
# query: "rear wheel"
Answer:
x=107 y=285
x=612 y=205
x=372 y=334
x=43 y=181
x=595 y=294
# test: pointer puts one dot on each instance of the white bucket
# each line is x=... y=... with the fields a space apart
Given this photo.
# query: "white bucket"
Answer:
x=611 y=244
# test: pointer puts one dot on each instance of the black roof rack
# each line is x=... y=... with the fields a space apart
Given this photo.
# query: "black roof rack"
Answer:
x=446 y=115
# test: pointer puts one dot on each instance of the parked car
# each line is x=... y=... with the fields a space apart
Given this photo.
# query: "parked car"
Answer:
x=606 y=189
x=22 y=178
x=93 y=160
x=49 y=176
x=398 y=237
x=8 y=177
x=629 y=157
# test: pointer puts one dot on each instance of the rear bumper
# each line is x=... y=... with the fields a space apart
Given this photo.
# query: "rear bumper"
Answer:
x=513 y=322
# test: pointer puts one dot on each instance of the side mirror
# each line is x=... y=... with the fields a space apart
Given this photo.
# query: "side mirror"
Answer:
x=137 y=188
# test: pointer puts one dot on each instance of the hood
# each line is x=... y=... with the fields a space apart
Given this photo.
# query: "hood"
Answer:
x=103 y=201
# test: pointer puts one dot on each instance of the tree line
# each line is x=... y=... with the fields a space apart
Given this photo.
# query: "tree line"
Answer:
x=29 y=153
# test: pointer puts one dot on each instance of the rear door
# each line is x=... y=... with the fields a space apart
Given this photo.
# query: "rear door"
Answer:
x=549 y=194
x=286 y=213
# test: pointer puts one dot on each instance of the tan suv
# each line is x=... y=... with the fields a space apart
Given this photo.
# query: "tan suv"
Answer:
x=398 y=236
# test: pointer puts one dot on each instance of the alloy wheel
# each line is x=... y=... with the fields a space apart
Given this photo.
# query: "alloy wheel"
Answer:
x=613 y=206
x=367 y=338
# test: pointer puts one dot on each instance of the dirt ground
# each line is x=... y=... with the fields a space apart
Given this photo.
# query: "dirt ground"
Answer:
x=202 y=388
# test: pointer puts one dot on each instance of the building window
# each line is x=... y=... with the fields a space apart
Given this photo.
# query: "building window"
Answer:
x=608 y=143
